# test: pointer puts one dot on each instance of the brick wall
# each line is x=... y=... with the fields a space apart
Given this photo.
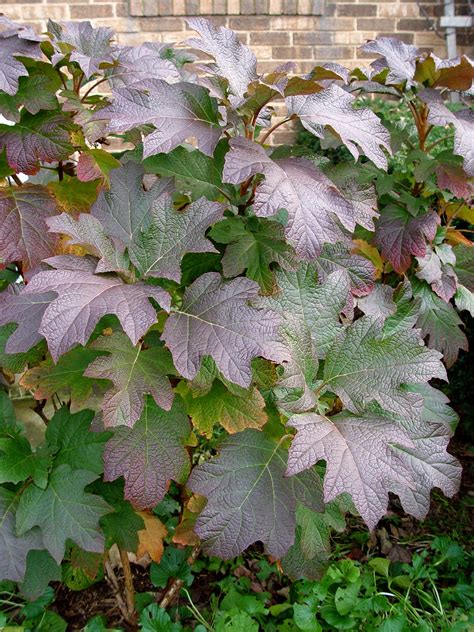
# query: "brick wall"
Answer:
x=305 y=31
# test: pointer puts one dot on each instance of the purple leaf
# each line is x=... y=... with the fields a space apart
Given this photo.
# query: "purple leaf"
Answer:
x=398 y=57
x=150 y=454
x=399 y=235
x=359 y=129
x=26 y=310
x=16 y=40
x=358 y=454
x=140 y=63
x=437 y=269
x=215 y=320
x=360 y=271
x=83 y=298
x=89 y=47
x=462 y=121
x=379 y=302
x=134 y=373
x=37 y=137
x=178 y=112
x=169 y=234
x=126 y=206
x=315 y=207
x=248 y=497
x=234 y=61
x=23 y=230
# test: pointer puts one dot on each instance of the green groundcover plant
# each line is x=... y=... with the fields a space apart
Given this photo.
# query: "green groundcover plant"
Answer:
x=187 y=302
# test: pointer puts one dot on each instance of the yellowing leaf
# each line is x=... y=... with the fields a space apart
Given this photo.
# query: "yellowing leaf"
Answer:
x=74 y=195
x=184 y=533
x=371 y=253
x=150 y=539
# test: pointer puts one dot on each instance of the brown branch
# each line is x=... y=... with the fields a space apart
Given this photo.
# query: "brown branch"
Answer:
x=176 y=584
x=16 y=180
x=128 y=581
x=112 y=580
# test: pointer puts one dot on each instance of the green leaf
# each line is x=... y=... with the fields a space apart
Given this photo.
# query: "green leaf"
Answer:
x=74 y=442
x=17 y=461
x=16 y=362
x=74 y=195
x=364 y=365
x=236 y=622
x=64 y=378
x=156 y=619
x=254 y=250
x=64 y=511
x=173 y=565
x=191 y=168
x=8 y=423
x=234 y=410
x=40 y=570
x=304 y=617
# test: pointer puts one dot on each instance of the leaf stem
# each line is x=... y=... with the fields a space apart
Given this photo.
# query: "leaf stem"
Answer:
x=16 y=180
x=94 y=85
x=274 y=127
x=129 y=589
x=176 y=585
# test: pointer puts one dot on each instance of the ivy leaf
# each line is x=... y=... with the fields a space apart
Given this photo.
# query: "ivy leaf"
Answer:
x=75 y=444
x=399 y=235
x=365 y=364
x=64 y=378
x=360 y=271
x=249 y=468
x=462 y=121
x=317 y=306
x=88 y=46
x=439 y=323
x=83 y=298
x=316 y=209
x=23 y=230
x=359 y=129
x=134 y=373
x=169 y=234
x=63 y=511
x=135 y=64
x=14 y=548
x=42 y=137
x=194 y=169
x=88 y=231
x=27 y=311
x=234 y=61
x=17 y=40
x=359 y=457
x=253 y=250
x=124 y=208
x=177 y=111
x=173 y=565
x=215 y=320
x=235 y=409
x=398 y=57
x=149 y=454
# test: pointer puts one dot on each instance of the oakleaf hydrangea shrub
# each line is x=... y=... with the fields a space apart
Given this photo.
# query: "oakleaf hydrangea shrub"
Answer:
x=192 y=305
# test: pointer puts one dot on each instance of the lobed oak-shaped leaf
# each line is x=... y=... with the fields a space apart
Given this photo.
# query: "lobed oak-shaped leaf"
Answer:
x=14 y=548
x=317 y=306
x=379 y=302
x=462 y=121
x=87 y=231
x=359 y=270
x=42 y=137
x=63 y=511
x=248 y=497
x=465 y=266
x=253 y=251
x=316 y=209
x=23 y=228
x=16 y=40
x=126 y=206
x=83 y=298
x=358 y=455
x=27 y=310
x=399 y=235
x=398 y=57
x=134 y=373
x=88 y=46
x=157 y=249
x=439 y=323
x=234 y=61
x=177 y=111
x=437 y=269
x=365 y=364
x=215 y=320
x=150 y=454
x=359 y=129
x=135 y=64
x=233 y=410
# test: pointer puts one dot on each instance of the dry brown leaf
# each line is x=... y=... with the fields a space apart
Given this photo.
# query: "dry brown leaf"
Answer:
x=151 y=537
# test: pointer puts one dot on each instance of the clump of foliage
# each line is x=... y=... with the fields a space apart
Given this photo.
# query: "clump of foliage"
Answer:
x=163 y=296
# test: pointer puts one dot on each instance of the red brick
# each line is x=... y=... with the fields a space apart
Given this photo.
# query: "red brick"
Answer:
x=290 y=53
x=356 y=10
x=271 y=37
x=313 y=37
x=86 y=12
x=250 y=23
